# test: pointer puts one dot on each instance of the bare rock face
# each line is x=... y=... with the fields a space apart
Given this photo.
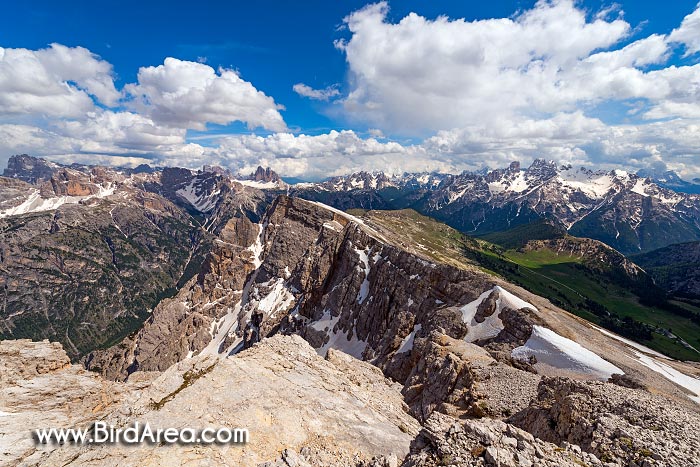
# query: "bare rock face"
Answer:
x=487 y=307
x=185 y=324
x=303 y=269
x=23 y=359
x=445 y=441
x=442 y=379
x=460 y=379
x=39 y=388
x=28 y=169
x=265 y=175
x=296 y=405
x=620 y=425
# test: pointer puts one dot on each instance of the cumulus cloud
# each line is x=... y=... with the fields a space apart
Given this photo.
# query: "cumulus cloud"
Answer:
x=61 y=102
x=479 y=93
x=316 y=94
x=128 y=130
x=566 y=137
x=58 y=81
x=334 y=153
x=688 y=33
x=576 y=139
x=429 y=75
x=189 y=95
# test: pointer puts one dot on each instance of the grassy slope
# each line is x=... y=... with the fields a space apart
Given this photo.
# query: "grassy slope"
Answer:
x=559 y=277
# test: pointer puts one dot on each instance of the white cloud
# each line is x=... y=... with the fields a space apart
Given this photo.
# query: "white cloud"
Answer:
x=334 y=153
x=566 y=137
x=57 y=81
x=189 y=95
x=108 y=134
x=126 y=129
x=316 y=94
x=688 y=33
x=421 y=75
x=480 y=93
x=48 y=100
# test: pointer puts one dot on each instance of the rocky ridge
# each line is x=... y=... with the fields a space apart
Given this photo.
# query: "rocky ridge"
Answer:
x=340 y=283
x=303 y=410
x=87 y=234
x=628 y=212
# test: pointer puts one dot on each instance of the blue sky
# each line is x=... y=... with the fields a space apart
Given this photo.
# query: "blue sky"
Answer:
x=275 y=45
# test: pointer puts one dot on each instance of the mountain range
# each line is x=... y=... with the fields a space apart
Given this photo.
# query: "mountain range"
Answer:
x=630 y=213
x=361 y=304
x=670 y=179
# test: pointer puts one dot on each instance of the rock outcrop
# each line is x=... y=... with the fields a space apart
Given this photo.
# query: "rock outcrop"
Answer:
x=23 y=359
x=617 y=424
x=339 y=410
x=265 y=175
x=460 y=379
x=445 y=441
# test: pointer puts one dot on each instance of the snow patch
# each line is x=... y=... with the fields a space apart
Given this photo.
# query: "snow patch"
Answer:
x=407 y=342
x=364 y=287
x=551 y=349
x=257 y=247
x=226 y=326
x=673 y=375
x=594 y=185
x=639 y=188
x=338 y=340
x=201 y=202
x=279 y=299
x=492 y=325
x=509 y=182
x=630 y=343
x=260 y=185
x=35 y=203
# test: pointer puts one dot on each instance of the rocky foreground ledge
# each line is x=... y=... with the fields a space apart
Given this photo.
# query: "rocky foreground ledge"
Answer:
x=303 y=410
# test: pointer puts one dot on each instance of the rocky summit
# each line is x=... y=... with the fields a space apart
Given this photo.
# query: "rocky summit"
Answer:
x=201 y=299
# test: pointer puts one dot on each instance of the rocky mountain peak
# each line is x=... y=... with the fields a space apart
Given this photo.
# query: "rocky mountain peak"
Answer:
x=543 y=169
x=29 y=169
x=175 y=177
x=265 y=175
x=142 y=169
x=216 y=170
